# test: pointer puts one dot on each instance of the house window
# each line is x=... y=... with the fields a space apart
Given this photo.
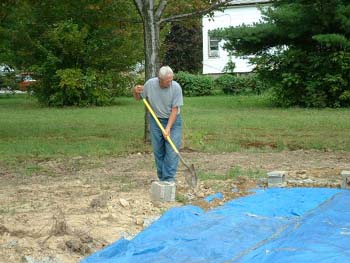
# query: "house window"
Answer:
x=213 y=47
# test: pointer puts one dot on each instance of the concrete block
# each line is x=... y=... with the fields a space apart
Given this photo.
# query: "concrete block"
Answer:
x=163 y=191
x=277 y=179
x=346 y=179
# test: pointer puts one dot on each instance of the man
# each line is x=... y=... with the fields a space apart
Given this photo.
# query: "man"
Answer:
x=165 y=96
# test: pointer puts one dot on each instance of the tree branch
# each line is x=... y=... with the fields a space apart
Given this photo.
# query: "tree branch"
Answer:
x=139 y=5
x=196 y=13
x=160 y=9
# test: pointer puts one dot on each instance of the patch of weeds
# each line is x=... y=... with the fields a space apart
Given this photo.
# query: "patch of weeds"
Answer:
x=9 y=163
x=33 y=169
x=233 y=173
x=210 y=176
x=197 y=137
x=6 y=210
x=89 y=163
x=217 y=186
x=236 y=171
x=256 y=174
x=181 y=198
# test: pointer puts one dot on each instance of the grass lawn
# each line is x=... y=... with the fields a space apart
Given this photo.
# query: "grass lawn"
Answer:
x=241 y=123
x=211 y=124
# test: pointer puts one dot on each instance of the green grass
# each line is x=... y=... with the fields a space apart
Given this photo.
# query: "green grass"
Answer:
x=181 y=198
x=233 y=173
x=211 y=124
x=27 y=130
x=227 y=124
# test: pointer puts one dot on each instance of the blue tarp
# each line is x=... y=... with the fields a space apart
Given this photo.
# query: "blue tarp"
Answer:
x=272 y=225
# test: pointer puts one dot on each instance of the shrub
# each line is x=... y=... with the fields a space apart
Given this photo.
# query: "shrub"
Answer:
x=195 y=85
x=316 y=79
x=237 y=85
x=74 y=88
x=123 y=82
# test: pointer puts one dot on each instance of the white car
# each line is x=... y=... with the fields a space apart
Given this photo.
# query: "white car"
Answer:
x=5 y=69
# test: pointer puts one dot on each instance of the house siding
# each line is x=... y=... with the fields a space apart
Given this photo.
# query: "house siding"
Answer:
x=236 y=14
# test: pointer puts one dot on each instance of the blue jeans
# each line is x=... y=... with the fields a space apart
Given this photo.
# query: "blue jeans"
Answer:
x=166 y=159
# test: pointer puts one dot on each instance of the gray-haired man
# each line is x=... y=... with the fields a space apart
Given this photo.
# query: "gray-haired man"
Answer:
x=165 y=96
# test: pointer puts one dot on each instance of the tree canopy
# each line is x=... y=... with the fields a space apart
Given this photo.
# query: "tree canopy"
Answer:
x=302 y=47
x=77 y=46
x=93 y=40
x=183 y=47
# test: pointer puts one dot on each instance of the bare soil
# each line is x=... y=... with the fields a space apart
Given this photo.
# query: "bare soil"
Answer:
x=63 y=210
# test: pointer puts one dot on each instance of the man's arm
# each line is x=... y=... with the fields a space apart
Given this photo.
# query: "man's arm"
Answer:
x=172 y=119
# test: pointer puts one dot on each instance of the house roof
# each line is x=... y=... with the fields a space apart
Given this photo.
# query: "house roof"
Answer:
x=249 y=2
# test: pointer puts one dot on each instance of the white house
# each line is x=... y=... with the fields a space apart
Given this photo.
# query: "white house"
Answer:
x=237 y=13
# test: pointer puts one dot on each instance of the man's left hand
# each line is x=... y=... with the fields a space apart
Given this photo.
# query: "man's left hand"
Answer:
x=167 y=133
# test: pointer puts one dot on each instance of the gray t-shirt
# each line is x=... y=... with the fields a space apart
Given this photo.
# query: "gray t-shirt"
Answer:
x=163 y=100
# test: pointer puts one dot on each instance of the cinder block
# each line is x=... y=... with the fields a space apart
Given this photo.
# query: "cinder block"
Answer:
x=163 y=191
x=276 y=179
x=346 y=179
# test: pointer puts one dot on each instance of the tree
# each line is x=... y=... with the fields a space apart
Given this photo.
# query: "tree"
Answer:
x=155 y=13
x=183 y=47
x=7 y=12
x=88 y=39
x=302 y=48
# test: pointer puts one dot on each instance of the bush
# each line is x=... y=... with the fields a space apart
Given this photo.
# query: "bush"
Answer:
x=74 y=88
x=195 y=85
x=313 y=79
x=238 y=85
x=123 y=82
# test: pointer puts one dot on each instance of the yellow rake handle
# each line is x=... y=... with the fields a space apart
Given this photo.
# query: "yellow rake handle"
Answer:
x=159 y=124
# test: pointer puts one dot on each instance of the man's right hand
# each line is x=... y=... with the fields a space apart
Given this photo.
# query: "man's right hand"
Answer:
x=137 y=90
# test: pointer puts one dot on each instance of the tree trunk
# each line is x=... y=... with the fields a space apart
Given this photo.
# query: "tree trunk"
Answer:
x=151 y=35
x=151 y=27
